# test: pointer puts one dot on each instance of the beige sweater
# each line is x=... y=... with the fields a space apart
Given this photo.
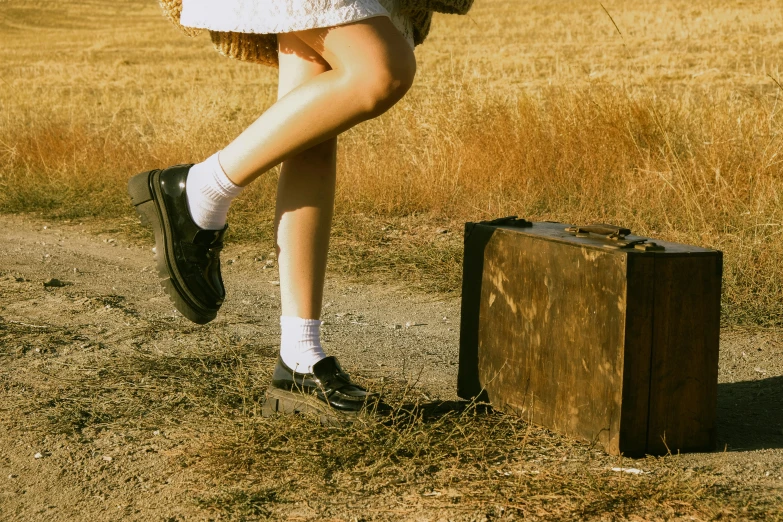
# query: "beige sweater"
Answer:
x=262 y=48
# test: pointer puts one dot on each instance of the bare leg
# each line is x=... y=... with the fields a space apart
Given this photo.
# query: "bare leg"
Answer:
x=305 y=199
x=371 y=68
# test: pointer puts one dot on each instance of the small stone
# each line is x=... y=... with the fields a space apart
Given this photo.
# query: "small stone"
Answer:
x=55 y=283
x=37 y=456
x=107 y=458
x=154 y=250
x=442 y=231
x=395 y=326
x=12 y=476
x=632 y=471
x=274 y=283
x=156 y=432
x=271 y=255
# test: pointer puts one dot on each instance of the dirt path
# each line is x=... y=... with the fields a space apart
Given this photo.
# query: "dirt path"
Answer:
x=111 y=305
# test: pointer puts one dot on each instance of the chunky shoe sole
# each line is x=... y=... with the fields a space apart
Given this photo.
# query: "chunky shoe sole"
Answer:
x=279 y=401
x=145 y=194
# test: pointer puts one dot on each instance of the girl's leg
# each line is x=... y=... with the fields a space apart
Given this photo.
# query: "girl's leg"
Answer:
x=366 y=67
x=371 y=67
x=303 y=218
x=305 y=198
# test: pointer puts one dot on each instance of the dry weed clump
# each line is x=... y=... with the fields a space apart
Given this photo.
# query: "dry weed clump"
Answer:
x=544 y=112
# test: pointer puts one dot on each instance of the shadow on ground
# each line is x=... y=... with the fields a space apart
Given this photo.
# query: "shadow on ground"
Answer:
x=750 y=414
x=434 y=411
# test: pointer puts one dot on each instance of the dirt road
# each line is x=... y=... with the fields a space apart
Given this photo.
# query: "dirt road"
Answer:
x=59 y=462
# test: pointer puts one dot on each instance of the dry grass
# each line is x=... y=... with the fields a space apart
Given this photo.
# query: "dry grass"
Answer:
x=427 y=460
x=665 y=118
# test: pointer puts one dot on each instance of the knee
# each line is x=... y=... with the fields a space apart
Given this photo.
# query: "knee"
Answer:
x=380 y=86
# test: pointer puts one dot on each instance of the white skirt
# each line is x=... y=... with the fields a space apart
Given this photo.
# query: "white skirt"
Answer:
x=285 y=16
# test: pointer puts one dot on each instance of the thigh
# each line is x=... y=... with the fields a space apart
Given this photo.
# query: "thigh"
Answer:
x=298 y=63
x=362 y=47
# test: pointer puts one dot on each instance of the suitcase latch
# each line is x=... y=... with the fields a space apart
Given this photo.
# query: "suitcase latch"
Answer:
x=649 y=246
x=638 y=244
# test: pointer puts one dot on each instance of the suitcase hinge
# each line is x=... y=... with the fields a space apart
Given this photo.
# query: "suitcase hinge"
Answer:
x=510 y=221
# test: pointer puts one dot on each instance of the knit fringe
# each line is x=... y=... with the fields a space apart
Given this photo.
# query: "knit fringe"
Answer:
x=173 y=9
x=459 y=7
x=248 y=47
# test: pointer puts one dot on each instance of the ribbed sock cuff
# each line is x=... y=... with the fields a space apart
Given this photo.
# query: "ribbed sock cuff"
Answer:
x=223 y=185
x=300 y=343
x=210 y=193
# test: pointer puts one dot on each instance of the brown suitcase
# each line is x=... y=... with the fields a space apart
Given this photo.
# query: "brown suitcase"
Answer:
x=593 y=332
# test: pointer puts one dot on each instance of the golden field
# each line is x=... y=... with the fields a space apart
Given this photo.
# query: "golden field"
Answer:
x=661 y=116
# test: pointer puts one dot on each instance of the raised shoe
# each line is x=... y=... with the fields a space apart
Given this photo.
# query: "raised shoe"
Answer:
x=188 y=257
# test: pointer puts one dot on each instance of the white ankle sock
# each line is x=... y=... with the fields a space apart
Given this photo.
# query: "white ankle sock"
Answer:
x=300 y=343
x=210 y=193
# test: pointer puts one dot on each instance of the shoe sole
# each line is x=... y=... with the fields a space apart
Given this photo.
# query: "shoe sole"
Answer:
x=280 y=401
x=143 y=190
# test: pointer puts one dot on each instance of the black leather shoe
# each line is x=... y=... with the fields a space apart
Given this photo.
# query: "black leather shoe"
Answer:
x=188 y=257
x=327 y=391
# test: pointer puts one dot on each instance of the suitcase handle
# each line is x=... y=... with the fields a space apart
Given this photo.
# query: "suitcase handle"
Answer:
x=600 y=229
